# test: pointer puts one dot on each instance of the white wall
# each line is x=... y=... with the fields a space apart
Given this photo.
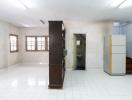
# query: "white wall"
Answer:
x=74 y=52
x=94 y=42
x=13 y=58
x=7 y=58
x=3 y=46
x=32 y=57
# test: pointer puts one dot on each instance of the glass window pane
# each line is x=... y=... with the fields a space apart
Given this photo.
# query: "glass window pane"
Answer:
x=29 y=39
x=29 y=47
x=38 y=38
x=43 y=39
x=33 y=47
x=13 y=43
x=11 y=48
x=36 y=43
x=14 y=38
x=43 y=48
x=30 y=43
x=40 y=43
x=15 y=48
x=33 y=39
x=39 y=47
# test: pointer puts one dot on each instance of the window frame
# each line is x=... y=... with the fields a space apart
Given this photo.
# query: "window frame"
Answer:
x=36 y=43
x=46 y=43
x=26 y=43
x=17 y=43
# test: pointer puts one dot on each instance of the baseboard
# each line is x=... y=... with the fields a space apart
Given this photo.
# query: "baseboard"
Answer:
x=94 y=68
x=85 y=69
x=33 y=64
x=9 y=66
x=69 y=69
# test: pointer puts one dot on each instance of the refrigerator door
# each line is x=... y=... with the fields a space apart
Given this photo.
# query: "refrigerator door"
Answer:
x=118 y=64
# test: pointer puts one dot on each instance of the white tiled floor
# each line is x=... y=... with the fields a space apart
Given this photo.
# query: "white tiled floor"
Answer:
x=31 y=83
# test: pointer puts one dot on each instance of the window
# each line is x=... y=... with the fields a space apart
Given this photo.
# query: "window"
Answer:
x=13 y=43
x=30 y=43
x=36 y=43
x=41 y=43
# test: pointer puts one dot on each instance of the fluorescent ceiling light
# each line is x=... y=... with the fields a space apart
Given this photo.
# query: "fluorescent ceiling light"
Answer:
x=27 y=3
x=117 y=3
x=127 y=3
x=17 y=4
x=116 y=24
x=25 y=25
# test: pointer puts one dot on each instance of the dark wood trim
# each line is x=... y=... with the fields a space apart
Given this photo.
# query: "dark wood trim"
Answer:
x=56 y=76
x=128 y=65
x=55 y=86
x=46 y=43
x=36 y=50
x=17 y=47
x=56 y=55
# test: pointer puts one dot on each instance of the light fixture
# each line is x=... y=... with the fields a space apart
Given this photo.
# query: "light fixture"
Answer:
x=121 y=3
x=27 y=3
x=25 y=25
x=116 y=24
x=17 y=4
x=22 y=4
x=117 y=3
x=127 y=3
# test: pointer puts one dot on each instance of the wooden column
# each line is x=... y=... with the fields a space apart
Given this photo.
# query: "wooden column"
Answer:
x=56 y=70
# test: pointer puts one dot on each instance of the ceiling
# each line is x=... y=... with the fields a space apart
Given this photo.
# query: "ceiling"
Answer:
x=67 y=10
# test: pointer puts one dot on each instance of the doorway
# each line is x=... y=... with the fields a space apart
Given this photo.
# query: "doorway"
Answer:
x=79 y=51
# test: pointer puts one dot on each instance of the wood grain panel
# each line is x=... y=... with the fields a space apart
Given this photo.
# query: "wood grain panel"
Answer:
x=56 y=47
